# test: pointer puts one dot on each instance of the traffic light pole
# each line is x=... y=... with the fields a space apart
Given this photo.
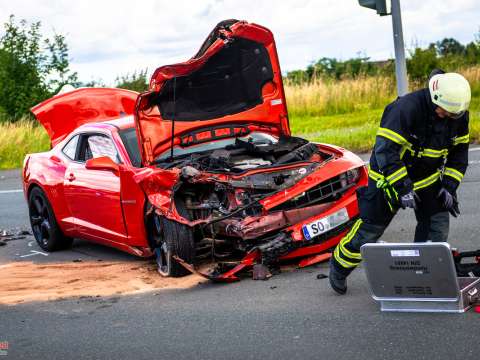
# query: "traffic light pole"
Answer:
x=400 y=64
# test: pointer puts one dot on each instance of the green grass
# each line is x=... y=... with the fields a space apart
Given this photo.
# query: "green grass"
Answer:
x=19 y=139
x=356 y=131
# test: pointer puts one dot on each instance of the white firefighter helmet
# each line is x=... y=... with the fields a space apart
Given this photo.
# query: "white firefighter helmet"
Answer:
x=451 y=92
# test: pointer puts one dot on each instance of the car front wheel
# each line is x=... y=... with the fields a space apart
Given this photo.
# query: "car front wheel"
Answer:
x=173 y=239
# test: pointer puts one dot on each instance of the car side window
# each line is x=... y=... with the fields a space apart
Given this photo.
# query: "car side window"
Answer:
x=94 y=146
x=70 y=149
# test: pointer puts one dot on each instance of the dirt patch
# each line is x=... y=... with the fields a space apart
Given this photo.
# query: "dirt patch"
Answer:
x=26 y=281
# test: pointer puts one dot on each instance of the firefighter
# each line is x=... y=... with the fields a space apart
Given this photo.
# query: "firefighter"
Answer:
x=418 y=161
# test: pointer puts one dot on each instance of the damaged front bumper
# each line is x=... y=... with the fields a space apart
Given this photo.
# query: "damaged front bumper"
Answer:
x=291 y=241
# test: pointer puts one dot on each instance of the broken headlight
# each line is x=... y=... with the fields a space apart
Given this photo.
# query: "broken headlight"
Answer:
x=349 y=177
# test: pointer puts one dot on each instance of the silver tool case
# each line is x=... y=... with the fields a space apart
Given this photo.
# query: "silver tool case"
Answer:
x=418 y=277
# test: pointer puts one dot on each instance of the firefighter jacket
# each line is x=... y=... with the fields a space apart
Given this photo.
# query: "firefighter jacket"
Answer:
x=415 y=148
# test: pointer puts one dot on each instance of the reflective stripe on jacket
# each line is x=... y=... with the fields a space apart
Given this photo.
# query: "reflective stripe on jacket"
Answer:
x=414 y=147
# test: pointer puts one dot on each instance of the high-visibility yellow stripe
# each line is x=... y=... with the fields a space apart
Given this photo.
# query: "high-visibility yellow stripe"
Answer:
x=417 y=185
x=393 y=136
x=348 y=238
x=392 y=178
x=433 y=153
x=465 y=139
x=374 y=175
x=344 y=263
x=404 y=150
x=397 y=175
x=457 y=175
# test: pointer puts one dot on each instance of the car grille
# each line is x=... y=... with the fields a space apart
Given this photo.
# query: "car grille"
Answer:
x=327 y=191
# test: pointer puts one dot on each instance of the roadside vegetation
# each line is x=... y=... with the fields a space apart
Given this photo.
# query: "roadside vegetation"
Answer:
x=331 y=101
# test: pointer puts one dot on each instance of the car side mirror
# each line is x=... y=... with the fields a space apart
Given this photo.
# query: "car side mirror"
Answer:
x=102 y=163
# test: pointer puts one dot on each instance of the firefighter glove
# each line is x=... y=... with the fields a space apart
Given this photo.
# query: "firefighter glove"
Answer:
x=446 y=198
x=449 y=201
x=409 y=200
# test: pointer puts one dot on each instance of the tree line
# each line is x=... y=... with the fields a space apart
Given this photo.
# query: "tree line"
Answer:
x=34 y=68
x=448 y=54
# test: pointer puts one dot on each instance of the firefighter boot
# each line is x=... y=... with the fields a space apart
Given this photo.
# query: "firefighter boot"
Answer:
x=338 y=281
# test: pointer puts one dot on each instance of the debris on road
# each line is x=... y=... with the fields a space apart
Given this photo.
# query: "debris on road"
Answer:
x=26 y=281
x=13 y=234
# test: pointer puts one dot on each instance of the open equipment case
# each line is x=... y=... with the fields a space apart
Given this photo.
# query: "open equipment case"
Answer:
x=418 y=277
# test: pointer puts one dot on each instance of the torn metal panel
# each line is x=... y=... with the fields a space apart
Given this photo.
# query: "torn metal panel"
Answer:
x=255 y=226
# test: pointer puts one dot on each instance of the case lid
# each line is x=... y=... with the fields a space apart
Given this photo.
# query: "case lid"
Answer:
x=418 y=271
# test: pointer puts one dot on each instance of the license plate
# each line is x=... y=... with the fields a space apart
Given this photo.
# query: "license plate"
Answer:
x=325 y=224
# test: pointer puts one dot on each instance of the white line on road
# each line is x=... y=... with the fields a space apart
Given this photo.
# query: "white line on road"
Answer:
x=34 y=252
x=10 y=191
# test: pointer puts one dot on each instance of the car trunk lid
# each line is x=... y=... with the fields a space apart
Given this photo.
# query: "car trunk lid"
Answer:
x=63 y=113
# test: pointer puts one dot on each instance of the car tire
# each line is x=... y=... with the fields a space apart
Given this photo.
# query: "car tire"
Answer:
x=173 y=239
x=44 y=225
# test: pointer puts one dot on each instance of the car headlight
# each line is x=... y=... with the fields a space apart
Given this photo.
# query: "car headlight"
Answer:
x=350 y=177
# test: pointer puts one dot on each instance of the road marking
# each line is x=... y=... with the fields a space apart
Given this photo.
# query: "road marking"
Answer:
x=10 y=191
x=34 y=252
x=474 y=149
x=30 y=243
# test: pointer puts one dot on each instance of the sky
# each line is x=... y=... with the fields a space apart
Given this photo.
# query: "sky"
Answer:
x=108 y=38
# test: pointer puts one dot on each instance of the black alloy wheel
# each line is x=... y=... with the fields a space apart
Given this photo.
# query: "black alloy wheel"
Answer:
x=45 y=229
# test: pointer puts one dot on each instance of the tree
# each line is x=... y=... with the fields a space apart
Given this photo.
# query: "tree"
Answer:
x=422 y=62
x=450 y=46
x=135 y=81
x=32 y=68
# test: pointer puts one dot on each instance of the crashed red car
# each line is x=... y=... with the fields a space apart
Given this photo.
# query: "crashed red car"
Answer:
x=201 y=166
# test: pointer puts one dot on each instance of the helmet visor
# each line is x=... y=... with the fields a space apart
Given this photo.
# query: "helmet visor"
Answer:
x=456 y=116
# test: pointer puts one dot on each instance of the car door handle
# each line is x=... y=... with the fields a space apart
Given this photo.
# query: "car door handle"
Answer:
x=71 y=177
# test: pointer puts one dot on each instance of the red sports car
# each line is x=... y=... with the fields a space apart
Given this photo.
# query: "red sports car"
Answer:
x=201 y=166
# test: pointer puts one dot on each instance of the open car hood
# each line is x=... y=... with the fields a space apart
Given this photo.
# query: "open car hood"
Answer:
x=63 y=113
x=233 y=80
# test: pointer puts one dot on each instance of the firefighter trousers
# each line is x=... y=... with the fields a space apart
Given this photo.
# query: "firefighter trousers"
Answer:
x=376 y=215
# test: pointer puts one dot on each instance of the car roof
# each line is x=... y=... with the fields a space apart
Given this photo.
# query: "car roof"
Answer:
x=124 y=122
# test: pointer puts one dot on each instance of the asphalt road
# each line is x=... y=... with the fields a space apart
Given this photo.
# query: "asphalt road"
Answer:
x=291 y=316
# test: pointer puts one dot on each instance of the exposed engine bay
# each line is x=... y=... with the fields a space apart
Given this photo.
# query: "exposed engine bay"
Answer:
x=223 y=191
x=258 y=150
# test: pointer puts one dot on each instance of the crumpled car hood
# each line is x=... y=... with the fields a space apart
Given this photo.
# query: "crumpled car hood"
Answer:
x=235 y=78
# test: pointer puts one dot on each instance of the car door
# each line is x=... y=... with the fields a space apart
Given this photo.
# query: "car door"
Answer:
x=93 y=195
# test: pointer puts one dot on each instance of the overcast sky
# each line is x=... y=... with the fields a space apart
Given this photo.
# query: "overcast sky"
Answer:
x=112 y=37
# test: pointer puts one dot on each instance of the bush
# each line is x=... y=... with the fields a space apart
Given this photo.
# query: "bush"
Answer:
x=135 y=81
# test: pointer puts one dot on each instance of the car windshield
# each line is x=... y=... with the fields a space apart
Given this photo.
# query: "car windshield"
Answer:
x=257 y=138
x=129 y=138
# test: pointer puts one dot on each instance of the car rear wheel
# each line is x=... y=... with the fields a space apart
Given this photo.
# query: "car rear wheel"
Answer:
x=45 y=228
x=173 y=239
